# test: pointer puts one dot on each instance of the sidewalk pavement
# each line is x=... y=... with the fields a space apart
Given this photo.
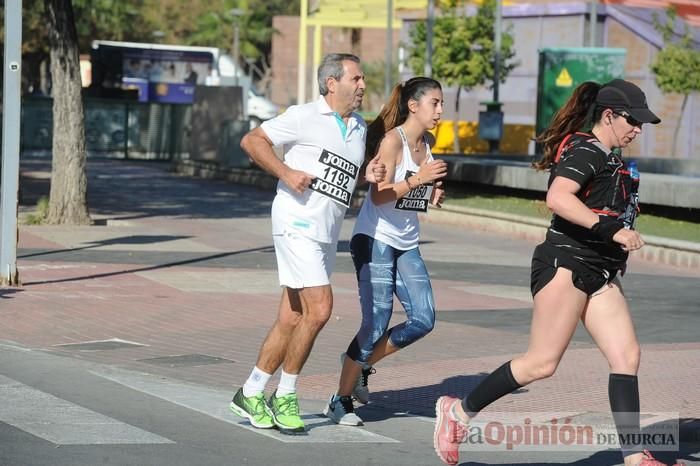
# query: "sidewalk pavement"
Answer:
x=177 y=279
x=658 y=249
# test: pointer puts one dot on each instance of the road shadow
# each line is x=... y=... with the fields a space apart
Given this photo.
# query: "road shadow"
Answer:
x=153 y=267
x=419 y=400
x=123 y=190
x=132 y=239
x=611 y=457
x=6 y=293
x=598 y=458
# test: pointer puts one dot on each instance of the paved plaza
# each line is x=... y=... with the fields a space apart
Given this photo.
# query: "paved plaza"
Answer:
x=127 y=338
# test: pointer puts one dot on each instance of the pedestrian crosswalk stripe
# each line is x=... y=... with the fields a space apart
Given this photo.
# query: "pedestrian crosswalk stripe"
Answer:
x=62 y=422
x=214 y=403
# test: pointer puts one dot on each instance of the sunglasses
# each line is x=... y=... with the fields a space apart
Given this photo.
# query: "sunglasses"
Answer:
x=628 y=118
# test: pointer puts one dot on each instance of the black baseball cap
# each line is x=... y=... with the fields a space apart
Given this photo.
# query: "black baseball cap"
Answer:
x=619 y=94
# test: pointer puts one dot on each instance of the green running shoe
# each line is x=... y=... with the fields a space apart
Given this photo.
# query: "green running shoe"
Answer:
x=285 y=413
x=253 y=408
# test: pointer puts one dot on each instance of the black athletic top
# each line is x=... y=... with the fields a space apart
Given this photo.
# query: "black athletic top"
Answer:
x=605 y=189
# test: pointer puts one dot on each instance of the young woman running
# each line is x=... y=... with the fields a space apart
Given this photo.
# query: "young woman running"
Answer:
x=574 y=270
x=384 y=244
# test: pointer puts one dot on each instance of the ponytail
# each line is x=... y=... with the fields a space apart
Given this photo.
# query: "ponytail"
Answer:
x=395 y=111
x=390 y=116
x=576 y=114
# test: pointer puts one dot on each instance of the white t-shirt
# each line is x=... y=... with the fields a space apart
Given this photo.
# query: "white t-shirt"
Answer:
x=396 y=222
x=314 y=143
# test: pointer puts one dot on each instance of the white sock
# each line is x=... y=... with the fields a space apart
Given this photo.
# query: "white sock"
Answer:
x=256 y=382
x=288 y=384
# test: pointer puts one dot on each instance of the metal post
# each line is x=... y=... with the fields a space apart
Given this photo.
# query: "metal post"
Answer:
x=593 y=23
x=318 y=44
x=126 y=129
x=236 y=49
x=497 y=54
x=10 y=142
x=495 y=107
x=236 y=14
x=389 y=46
x=301 y=77
x=428 y=67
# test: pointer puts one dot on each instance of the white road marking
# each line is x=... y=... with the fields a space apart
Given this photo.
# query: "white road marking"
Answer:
x=214 y=403
x=64 y=423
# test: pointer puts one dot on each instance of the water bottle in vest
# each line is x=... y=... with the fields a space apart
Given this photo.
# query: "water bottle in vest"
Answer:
x=630 y=214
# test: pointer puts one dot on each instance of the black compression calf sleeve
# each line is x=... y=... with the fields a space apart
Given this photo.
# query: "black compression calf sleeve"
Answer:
x=498 y=384
x=623 y=391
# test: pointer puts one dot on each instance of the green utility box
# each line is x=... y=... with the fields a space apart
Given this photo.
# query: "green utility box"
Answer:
x=562 y=69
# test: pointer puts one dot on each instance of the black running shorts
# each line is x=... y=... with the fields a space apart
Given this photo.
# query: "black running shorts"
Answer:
x=586 y=277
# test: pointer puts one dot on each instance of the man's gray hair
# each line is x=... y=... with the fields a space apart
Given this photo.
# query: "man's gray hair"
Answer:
x=332 y=67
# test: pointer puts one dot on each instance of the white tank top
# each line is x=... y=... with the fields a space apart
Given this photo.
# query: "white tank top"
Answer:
x=396 y=222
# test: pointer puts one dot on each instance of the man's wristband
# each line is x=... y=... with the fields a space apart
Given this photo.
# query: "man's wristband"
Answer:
x=409 y=184
x=606 y=228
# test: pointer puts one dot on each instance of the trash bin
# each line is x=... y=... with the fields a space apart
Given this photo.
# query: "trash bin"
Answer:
x=491 y=124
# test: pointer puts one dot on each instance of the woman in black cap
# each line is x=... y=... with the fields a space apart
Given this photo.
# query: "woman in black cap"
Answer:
x=574 y=271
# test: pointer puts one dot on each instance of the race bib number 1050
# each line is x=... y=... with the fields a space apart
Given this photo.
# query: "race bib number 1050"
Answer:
x=337 y=178
x=417 y=199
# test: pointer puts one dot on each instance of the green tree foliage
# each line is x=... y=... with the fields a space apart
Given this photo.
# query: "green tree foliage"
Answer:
x=210 y=23
x=215 y=27
x=464 y=52
x=94 y=19
x=34 y=37
x=35 y=49
x=187 y=22
x=677 y=65
x=177 y=19
x=111 y=20
x=374 y=80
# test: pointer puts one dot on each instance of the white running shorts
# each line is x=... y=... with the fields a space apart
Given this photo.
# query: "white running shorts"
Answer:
x=303 y=262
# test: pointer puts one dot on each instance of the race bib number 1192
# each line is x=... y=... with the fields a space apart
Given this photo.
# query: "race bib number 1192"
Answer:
x=337 y=178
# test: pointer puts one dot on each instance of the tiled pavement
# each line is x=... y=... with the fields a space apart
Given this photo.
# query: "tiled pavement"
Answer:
x=184 y=267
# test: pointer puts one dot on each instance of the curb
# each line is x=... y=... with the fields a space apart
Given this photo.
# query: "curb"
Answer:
x=213 y=170
x=658 y=250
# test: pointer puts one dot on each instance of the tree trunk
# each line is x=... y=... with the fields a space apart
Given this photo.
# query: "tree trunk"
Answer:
x=674 y=145
x=68 y=195
x=456 y=146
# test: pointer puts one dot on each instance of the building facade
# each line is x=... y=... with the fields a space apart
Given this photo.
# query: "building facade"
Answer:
x=536 y=24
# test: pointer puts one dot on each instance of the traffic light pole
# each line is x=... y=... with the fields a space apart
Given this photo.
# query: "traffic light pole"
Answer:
x=9 y=183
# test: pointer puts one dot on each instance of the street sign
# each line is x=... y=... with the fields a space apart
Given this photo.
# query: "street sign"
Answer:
x=561 y=70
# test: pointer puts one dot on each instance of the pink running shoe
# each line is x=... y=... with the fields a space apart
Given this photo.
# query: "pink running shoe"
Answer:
x=449 y=433
x=649 y=460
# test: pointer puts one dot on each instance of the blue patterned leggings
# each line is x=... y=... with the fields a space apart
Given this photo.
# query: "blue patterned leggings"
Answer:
x=383 y=271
